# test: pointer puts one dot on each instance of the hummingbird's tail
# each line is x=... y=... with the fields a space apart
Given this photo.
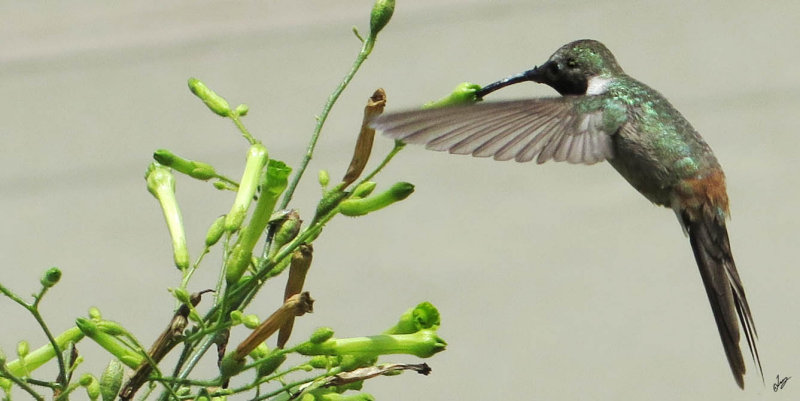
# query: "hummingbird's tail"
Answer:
x=712 y=251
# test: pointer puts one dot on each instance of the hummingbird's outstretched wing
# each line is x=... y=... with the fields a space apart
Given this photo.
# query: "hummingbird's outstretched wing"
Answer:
x=544 y=128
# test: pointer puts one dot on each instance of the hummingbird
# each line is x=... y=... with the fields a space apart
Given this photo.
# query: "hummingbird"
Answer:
x=604 y=114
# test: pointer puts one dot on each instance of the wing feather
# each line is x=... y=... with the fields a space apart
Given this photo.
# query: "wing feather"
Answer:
x=544 y=129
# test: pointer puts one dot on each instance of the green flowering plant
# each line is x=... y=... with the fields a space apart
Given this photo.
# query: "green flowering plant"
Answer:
x=261 y=236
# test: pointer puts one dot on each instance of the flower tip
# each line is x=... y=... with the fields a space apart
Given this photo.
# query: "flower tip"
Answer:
x=215 y=102
x=94 y=313
x=163 y=156
x=464 y=93
x=23 y=348
x=402 y=190
x=51 y=277
x=381 y=14
x=242 y=109
x=321 y=335
x=323 y=178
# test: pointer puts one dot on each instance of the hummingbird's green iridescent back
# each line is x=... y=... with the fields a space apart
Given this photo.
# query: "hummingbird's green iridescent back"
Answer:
x=656 y=149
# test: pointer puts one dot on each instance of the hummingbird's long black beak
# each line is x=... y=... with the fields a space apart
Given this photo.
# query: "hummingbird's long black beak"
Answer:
x=534 y=75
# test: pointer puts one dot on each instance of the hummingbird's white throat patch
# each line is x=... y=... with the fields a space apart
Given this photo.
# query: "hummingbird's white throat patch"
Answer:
x=597 y=85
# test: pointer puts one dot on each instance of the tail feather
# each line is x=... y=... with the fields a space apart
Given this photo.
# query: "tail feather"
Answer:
x=709 y=239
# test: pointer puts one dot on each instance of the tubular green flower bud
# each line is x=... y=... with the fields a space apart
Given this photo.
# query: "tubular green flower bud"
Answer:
x=181 y=295
x=244 y=280
x=85 y=379
x=464 y=93
x=279 y=267
x=286 y=232
x=423 y=344
x=270 y=364
x=202 y=171
x=110 y=343
x=111 y=380
x=215 y=231
x=250 y=321
x=256 y=160
x=94 y=313
x=161 y=184
x=23 y=348
x=360 y=207
x=93 y=390
x=111 y=328
x=381 y=14
x=236 y=317
x=230 y=366
x=242 y=109
x=238 y=261
x=329 y=201
x=356 y=385
x=259 y=352
x=322 y=361
x=321 y=335
x=333 y=396
x=40 y=356
x=352 y=362
x=215 y=102
x=195 y=169
x=324 y=178
x=422 y=316
x=167 y=158
x=364 y=189
x=50 y=277
x=277 y=176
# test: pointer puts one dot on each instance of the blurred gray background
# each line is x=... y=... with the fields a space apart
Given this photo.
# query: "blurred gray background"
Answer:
x=554 y=281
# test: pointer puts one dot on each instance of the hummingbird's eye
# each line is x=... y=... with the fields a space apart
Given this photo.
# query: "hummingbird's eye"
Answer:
x=554 y=68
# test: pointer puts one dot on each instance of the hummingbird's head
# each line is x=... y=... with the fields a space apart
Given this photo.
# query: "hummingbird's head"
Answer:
x=571 y=68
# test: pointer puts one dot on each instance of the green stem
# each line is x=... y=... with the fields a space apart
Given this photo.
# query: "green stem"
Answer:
x=289 y=386
x=191 y=362
x=227 y=180
x=243 y=129
x=187 y=382
x=34 y=310
x=269 y=378
x=65 y=394
x=248 y=292
x=366 y=49
x=59 y=357
x=153 y=364
x=398 y=146
x=13 y=296
x=189 y=272
x=19 y=382
x=42 y=383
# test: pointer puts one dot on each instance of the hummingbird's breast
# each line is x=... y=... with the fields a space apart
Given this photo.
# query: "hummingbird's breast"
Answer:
x=659 y=152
